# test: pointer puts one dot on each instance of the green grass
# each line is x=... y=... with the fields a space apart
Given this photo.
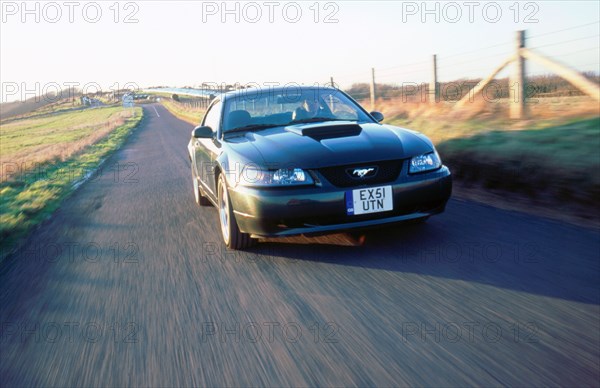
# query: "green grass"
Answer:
x=561 y=160
x=29 y=198
x=35 y=134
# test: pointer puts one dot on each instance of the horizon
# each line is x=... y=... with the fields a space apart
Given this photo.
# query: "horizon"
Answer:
x=132 y=45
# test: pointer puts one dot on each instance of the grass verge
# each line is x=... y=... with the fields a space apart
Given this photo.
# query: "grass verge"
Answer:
x=190 y=115
x=557 y=166
x=38 y=192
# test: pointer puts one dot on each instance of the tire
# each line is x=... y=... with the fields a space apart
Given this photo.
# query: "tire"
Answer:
x=199 y=198
x=232 y=237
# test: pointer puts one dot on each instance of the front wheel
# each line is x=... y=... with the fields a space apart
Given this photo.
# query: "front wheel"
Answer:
x=232 y=237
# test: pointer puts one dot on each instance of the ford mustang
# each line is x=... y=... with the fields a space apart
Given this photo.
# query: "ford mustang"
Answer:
x=310 y=160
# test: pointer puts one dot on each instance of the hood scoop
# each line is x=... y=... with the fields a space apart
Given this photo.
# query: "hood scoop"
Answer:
x=322 y=131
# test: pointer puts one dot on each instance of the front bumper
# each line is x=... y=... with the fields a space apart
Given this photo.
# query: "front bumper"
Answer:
x=271 y=212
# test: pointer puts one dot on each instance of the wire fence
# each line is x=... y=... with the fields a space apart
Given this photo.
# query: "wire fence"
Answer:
x=577 y=47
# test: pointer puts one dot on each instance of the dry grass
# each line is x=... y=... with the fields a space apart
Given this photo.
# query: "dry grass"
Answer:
x=183 y=112
x=441 y=121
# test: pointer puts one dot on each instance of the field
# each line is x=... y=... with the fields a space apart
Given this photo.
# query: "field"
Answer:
x=44 y=155
x=43 y=138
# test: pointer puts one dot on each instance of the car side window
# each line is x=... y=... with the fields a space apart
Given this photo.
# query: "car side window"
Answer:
x=213 y=117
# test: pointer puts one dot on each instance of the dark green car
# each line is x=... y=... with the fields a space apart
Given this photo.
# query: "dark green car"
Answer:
x=303 y=160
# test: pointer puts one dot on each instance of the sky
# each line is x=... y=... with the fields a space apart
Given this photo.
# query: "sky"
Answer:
x=110 y=44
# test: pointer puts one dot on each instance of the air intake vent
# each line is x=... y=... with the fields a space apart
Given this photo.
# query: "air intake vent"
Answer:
x=326 y=131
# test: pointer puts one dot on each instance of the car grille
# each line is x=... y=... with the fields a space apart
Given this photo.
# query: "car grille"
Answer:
x=385 y=171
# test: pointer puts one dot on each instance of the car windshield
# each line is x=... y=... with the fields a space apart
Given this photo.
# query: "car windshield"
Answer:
x=255 y=110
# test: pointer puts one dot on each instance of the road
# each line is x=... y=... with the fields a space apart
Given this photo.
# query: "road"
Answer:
x=128 y=284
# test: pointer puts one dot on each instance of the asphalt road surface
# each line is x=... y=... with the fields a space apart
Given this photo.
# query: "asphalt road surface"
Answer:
x=129 y=284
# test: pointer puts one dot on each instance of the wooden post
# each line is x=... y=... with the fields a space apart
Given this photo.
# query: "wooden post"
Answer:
x=481 y=85
x=517 y=80
x=372 y=89
x=573 y=76
x=434 y=90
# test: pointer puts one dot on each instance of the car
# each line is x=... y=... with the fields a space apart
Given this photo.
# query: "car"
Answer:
x=310 y=160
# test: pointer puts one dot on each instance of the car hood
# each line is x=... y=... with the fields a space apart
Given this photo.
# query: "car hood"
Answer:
x=346 y=143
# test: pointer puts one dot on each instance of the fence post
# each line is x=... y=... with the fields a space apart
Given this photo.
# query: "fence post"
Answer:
x=434 y=89
x=573 y=76
x=517 y=80
x=372 y=89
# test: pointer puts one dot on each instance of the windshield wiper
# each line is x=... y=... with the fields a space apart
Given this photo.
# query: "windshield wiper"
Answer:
x=316 y=120
x=251 y=127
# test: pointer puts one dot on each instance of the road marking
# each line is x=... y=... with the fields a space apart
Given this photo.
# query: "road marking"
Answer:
x=157 y=115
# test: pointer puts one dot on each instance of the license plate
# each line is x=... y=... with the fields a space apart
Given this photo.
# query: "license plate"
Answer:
x=369 y=200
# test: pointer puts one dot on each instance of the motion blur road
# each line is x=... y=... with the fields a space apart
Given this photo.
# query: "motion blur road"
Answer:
x=129 y=284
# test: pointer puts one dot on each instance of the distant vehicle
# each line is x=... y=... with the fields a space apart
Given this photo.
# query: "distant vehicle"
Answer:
x=307 y=160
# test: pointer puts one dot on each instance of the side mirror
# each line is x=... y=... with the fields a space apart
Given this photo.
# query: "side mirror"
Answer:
x=377 y=116
x=201 y=132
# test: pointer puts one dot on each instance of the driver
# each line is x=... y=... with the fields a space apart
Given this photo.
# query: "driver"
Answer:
x=310 y=108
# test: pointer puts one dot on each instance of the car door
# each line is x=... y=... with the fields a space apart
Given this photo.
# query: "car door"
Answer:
x=207 y=150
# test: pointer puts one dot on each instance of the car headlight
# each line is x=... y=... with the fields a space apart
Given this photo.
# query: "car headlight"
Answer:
x=281 y=177
x=425 y=162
